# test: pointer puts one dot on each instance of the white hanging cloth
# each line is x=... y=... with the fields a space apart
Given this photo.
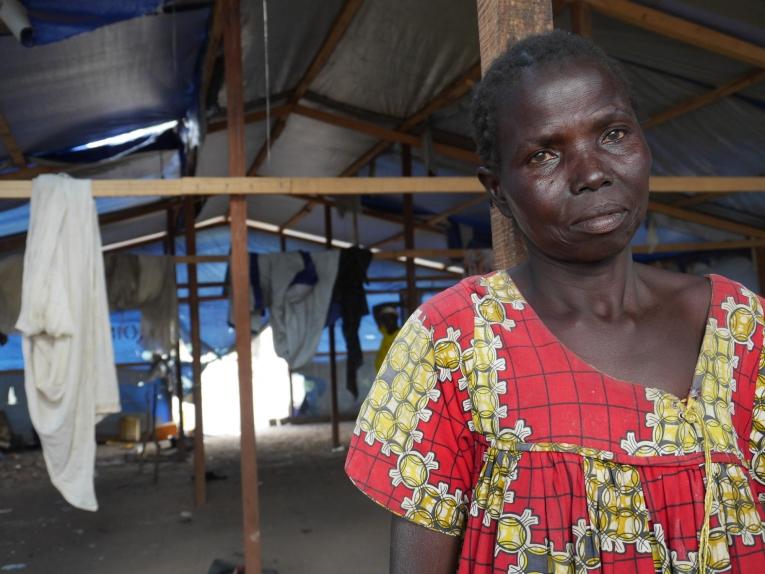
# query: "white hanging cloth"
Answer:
x=69 y=373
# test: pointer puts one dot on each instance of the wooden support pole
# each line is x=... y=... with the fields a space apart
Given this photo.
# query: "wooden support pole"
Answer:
x=758 y=257
x=408 y=209
x=501 y=22
x=200 y=486
x=6 y=136
x=581 y=19
x=334 y=413
x=240 y=285
x=170 y=250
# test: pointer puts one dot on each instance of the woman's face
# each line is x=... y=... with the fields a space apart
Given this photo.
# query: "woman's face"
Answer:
x=574 y=164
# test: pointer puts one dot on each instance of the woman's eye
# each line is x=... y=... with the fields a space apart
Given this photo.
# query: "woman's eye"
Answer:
x=541 y=156
x=614 y=135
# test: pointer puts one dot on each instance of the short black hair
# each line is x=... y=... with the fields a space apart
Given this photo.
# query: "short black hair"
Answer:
x=504 y=73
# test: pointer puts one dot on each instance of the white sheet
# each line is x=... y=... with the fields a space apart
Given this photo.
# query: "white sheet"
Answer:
x=70 y=378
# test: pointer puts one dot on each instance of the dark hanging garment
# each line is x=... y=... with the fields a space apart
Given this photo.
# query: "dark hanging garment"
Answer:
x=349 y=294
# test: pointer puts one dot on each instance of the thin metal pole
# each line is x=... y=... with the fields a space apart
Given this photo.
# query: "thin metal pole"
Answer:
x=240 y=285
x=334 y=414
x=200 y=486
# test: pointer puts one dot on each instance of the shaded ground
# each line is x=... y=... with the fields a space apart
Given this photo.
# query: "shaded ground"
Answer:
x=313 y=520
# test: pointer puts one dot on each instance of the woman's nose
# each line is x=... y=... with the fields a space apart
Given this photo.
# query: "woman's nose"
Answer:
x=588 y=174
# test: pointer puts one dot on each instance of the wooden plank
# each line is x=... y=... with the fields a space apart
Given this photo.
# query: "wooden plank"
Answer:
x=500 y=23
x=758 y=258
x=297 y=216
x=698 y=199
x=6 y=136
x=681 y=30
x=18 y=240
x=435 y=219
x=200 y=483
x=696 y=102
x=698 y=246
x=172 y=213
x=240 y=286
x=704 y=219
x=303 y=186
x=214 y=37
x=256 y=116
x=453 y=92
x=661 y=248
x=581 y=19
x=388 y=135
x=336 y=33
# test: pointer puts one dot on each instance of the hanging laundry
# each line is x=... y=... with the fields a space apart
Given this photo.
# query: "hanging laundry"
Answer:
x=70 y=378
x=351 y=298
x=297 y=289
x=146 y=283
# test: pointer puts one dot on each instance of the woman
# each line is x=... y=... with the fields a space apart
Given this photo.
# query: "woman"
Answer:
x=563 y=416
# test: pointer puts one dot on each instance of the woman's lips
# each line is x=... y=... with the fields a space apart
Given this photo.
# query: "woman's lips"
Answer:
x=600 y=224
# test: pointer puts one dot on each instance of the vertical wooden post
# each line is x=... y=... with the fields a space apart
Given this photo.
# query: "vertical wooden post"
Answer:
x=581 y=19
x=758 y=258
x=408 y=209
x=200 y=486
x=501 y=22
x=170 y=250
x=240 y=285
x=334 y=417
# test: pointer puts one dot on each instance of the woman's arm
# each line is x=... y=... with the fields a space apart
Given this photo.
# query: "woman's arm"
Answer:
x=416 y=550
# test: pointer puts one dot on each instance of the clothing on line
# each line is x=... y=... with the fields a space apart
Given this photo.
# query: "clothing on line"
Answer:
x=349 y=294
x=69 y=374
x=482 y=424
x=147 y=283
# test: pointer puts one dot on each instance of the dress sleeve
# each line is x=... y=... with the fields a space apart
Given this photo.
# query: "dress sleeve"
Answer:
x=412 y=450
x=757 y=436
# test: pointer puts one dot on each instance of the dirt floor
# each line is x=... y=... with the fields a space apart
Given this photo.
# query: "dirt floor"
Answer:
x=313 y=520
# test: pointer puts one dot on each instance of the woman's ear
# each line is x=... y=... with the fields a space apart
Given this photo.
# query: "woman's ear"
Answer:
x=492 y=186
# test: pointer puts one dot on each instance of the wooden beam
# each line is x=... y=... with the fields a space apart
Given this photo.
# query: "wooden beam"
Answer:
x=698 y=246
x=704 y=219
x=435 y=219
x=302 y=186
x=661 y=248
x=240 y=286
x=298 y=215
x=696 y=102
x=214 y=37
x=256 y=116
x=30 y=172
x=200 y=483
x=758 y=258
x=453 y=92
x=501 y=23
x=698 y=199
x=581 y=19
x=6 y=136
x=388 y=135
x=680 y=29
x=336 y=33
x=18 y=240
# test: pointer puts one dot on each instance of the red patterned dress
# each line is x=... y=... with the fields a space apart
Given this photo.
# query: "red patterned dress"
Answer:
x=482 y=424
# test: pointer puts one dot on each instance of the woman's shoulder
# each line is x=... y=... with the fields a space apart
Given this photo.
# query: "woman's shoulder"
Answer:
x=459 y=300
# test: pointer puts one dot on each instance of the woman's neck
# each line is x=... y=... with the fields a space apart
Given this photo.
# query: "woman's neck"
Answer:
x=606 y=289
